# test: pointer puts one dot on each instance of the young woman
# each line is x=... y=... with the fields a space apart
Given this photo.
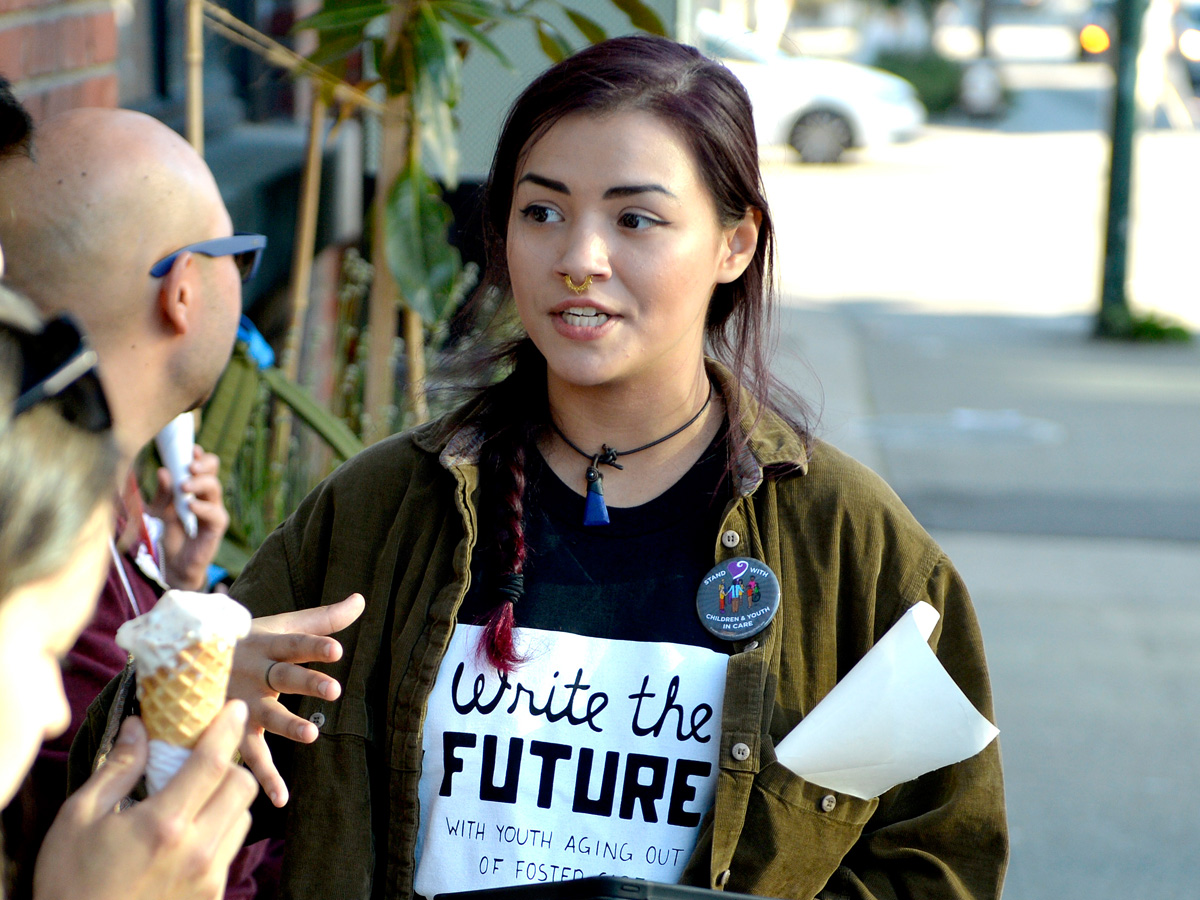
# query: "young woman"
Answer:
x=57 y=475
x=542 y=685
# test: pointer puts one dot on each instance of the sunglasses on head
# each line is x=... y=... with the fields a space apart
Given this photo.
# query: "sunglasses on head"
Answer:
x=245 y=248
x=58 y=366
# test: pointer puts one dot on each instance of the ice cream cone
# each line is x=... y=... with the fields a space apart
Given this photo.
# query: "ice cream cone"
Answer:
x=183 y=653
x=178 y=703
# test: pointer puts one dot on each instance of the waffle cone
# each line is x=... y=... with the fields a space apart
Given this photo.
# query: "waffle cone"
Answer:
x=178 y=703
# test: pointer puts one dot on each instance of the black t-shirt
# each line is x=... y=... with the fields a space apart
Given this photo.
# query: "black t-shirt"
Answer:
x=634 y=579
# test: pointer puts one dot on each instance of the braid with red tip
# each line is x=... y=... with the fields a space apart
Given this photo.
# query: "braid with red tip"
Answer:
x=507 y=582
x=505 y=453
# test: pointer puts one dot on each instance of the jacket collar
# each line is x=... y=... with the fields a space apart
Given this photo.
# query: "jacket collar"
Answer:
x=457 y=440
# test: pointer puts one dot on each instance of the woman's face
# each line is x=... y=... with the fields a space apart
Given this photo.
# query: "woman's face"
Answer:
x=39 y=623
x=618 y=199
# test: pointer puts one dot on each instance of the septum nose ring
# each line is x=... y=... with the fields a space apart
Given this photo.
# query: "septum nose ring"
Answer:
x=577 y=288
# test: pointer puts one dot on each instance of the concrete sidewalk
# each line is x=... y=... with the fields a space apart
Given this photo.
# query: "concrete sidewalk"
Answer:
x=1063 y=477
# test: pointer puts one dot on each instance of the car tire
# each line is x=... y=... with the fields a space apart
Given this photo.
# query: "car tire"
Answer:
x=821 y=136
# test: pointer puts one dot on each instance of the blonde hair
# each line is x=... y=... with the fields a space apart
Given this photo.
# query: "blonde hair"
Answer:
x=53 y=475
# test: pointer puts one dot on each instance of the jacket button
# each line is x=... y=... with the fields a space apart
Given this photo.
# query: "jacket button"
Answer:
x=723 y=879
x=317 y=718
x=740 y=751
x=731 y=539
x=828 y=802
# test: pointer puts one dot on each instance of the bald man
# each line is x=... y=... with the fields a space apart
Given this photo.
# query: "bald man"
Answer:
x=106 y=196
x=117 y=221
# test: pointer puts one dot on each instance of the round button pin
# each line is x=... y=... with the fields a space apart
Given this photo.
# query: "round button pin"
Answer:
x=737 y=598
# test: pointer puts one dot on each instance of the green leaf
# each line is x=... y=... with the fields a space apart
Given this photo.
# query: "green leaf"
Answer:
x=439 y=134
x=416 y=226
x=228 y=412
x=435 y=57
x=439 y=86
x=474 y=34
x=334 y=49
x=391 y=67
x=589 y=28
x=478 y=12
x=329 y=427
x=339 y=18
x=641 y=16
x=553 y=44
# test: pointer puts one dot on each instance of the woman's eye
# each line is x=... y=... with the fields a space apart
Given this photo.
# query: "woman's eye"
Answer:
x=541 y=214
x=637 y=221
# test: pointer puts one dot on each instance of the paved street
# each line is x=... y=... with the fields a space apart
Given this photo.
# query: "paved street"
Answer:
x=968 y=220
x=939 y=300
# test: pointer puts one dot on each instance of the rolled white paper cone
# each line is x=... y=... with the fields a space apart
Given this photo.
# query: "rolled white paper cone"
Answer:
x=163 y=761
x=176 y=443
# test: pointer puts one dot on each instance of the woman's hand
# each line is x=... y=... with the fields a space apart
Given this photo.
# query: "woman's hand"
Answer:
x=176 y=845
x=275 y=649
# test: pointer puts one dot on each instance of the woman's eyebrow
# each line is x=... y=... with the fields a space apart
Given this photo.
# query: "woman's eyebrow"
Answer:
x=631 y=189
x=548 y=183
x=623 y=190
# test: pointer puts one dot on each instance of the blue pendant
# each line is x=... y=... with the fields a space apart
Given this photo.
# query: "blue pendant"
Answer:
x=594 y=511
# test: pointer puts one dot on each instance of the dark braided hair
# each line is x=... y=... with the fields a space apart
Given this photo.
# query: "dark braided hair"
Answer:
x=711 y=112
x=508 y=435
x=504 y=461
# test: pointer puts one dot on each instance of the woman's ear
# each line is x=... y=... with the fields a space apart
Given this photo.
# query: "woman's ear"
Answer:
x=177 y=294
x=741 y=240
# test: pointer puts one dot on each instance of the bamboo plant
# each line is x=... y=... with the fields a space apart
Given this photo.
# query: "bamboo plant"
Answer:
x=417 y=59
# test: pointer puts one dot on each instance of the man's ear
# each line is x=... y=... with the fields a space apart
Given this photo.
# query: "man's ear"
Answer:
x=741 y=240
x=179 y=292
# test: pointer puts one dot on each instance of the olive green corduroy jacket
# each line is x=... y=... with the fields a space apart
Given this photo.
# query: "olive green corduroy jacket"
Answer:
x=399 y=523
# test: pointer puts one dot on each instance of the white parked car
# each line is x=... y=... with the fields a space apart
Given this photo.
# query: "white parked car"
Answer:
x=821 y=107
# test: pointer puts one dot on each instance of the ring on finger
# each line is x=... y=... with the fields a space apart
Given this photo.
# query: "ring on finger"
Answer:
x=267 y=677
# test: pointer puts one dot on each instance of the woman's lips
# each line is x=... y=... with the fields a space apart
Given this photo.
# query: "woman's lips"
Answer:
x=584 y=317
x=582 y=323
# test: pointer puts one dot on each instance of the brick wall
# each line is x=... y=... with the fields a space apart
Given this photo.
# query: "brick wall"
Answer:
x=59 y=54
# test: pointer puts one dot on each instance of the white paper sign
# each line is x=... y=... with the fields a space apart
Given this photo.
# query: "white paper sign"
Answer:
x=895 y=716
x=596 y=757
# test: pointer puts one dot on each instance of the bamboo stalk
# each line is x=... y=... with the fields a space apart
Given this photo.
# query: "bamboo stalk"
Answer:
x=414 y=343
x=379 y=389
x=414 y=331
x=303 y=250
x=194 y=57
x=306 y=234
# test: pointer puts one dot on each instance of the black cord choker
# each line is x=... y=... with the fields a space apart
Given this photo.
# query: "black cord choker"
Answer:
x=595 y=512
